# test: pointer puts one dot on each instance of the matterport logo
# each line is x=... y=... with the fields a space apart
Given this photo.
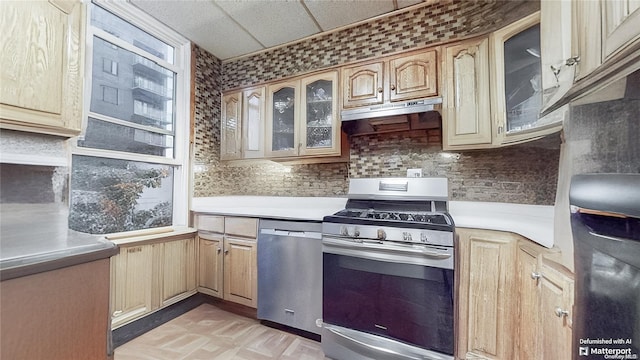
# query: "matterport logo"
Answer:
x=604 y=352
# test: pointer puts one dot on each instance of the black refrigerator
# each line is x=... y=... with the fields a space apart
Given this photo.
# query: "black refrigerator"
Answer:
x=605 y=221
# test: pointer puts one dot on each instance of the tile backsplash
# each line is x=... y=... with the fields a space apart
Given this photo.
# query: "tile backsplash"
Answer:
x=525 y=173
x=423 y=26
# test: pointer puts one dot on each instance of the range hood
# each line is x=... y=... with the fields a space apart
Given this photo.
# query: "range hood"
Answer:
x=419 y=114
x=391 y=109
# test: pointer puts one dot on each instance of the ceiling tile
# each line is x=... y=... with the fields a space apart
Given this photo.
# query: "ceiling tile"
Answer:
x=334 y=14
x=203 y=23
x=271 y=22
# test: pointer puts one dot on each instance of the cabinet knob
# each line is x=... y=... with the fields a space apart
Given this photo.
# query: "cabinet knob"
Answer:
x=561 y=313
x=393 y=87
x=535 y=275
x=226 y=252
x=380 y=90
x=219 y=250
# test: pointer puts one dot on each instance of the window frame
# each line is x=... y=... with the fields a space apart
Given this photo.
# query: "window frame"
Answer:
x=182 y=112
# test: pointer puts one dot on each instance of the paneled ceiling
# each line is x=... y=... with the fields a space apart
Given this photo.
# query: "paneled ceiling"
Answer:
x=232 y=28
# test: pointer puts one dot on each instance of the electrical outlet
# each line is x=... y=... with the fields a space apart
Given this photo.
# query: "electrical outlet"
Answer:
x=414 y=173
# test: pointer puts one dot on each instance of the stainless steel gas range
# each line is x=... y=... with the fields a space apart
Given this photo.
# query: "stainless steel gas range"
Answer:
x=388 y=272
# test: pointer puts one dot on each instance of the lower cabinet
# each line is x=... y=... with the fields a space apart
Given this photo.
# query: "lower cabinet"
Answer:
x=210 y=264
x=545 y=304
x=148 y=277
x=486 y=300
x=131 y=284
x=227 y=260
x=241 y=271
x=514 y=299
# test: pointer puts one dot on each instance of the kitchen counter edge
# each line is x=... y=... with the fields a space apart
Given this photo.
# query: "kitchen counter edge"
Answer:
x=535 y=222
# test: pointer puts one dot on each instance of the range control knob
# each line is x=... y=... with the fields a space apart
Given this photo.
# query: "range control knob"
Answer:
x=356 y=232
x=344 y=231
x=381 y=234
x=423 y=238
x=406 y=236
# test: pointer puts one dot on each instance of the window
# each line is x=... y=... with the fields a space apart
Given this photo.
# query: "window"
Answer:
x=130 y=166
x=110 y=95
x=110 y=66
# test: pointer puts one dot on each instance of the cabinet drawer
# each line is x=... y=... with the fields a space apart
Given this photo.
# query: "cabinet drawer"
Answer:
x=241 y=226
x=210 y=223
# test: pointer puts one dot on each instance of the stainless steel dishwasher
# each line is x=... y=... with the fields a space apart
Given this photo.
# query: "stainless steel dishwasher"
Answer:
x=290 y=273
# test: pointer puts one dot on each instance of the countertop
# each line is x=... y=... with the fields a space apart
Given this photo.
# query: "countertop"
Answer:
x=534 y=222
x=35 y=238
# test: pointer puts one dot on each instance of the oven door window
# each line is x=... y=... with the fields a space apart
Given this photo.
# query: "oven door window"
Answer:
x=409 y=303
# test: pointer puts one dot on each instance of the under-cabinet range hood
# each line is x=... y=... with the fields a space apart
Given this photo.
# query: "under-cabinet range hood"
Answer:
x=411 y=115
x=391 y=109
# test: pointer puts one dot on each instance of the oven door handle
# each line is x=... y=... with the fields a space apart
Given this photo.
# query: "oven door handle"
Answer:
x=385 y=348
x=379 y=245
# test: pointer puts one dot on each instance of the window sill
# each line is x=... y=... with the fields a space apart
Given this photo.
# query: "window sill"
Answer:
x=152 y=235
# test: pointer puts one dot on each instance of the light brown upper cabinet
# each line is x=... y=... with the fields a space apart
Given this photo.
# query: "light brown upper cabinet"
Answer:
x=253 y=119
x=396 y=78
x=620 y=25
x=302 y=118
x=466 y=114
x=242 y=124
x=516 y=88
x=41 y=66
x=559 y=62
x=231 y=127
x=320 y=128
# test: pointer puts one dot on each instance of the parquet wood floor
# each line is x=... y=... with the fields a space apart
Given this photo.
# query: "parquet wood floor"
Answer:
x=208 y=332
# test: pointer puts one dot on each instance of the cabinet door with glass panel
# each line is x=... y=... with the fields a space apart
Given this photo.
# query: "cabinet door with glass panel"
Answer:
x=231 y=127
x=282 y=114
x=320 y=124
x=253 y=114
x=517 y=85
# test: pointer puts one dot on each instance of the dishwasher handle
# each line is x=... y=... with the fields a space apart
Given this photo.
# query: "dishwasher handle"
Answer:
x=298 y=234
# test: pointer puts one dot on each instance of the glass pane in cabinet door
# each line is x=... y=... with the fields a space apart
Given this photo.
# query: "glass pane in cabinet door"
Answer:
x=283 y=119
x=319 y=114
x=522 y=79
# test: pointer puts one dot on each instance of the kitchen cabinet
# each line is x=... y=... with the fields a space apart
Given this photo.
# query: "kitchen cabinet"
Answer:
x=150 y=276
x=558 y=61
x=556 y=309
x=240 y=271
x=486 y=303
x=227 y=258
x=495 y=87
x=41 y=66
x=178 y=270
x=231 y=127
x=210 y=268
x=242 y=124
x=587 y=36
x=396 y=78
x=253 y=122
x=620 y=23
x=514 y=299
x=516 y=88
x=545 y=304
x=131 y=274
x=466 y=114
x=302 y=118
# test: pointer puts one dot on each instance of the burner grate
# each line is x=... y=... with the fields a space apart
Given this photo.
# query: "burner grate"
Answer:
x=423 y=218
